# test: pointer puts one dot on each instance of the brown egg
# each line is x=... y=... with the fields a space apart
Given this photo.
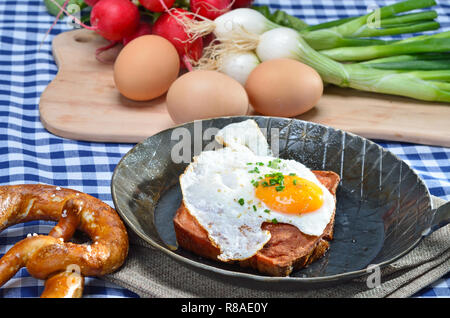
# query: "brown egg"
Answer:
x=205 y=94
x=146 y=67
x=283 y=88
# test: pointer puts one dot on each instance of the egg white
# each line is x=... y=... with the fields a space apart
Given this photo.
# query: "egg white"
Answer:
x=215 y=182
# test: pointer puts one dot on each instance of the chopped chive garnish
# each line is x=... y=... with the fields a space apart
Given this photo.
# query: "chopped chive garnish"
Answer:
x=249 y=163
x=267 y=210
x=292 y=174
x=260 y=164
x=274 y=175
x=274 y=221
x=241 y=201
x=274 y=164
x=294 y=182
x=255 y=170
x=254 y=208
x=275 y=179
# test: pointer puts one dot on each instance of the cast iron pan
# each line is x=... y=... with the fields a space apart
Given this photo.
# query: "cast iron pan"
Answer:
x=383 y=208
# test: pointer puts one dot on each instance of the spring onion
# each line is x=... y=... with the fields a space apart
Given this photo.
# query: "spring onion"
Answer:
x=281 y=18
x=355 y=30
x=287 y=43
x=416 y=67
x=353 y=33
x=241 y=20
x=345 y=32
x=238 y=65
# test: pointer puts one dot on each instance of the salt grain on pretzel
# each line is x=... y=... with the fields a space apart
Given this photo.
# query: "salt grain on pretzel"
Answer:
x=50 y=256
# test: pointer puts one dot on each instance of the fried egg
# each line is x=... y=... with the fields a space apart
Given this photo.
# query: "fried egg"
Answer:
x=232 y=191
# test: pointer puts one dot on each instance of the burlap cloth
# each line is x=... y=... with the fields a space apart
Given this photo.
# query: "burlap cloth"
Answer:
x=151 y=273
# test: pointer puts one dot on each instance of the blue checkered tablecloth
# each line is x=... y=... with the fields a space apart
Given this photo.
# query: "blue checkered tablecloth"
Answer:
x=30 y=154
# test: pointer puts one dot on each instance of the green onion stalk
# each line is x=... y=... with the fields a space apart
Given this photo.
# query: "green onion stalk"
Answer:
x=427 y=85
x=423 y=62
x=436 y=43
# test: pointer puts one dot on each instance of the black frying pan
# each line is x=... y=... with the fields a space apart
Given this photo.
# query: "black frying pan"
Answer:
x=383 y=208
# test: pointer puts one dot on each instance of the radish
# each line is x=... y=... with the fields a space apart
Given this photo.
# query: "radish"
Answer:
x=195 y=50
x=91 y=2
x=242 y=4
x=143 y=29
x=208 y=39
x=170 y=26
x=157 y=5
x=115 y=19
x=210 y=9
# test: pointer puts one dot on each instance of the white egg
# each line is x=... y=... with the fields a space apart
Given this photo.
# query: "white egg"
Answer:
x=219 y=189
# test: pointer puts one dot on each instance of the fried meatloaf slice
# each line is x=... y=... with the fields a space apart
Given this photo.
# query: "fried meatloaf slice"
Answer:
x=287 y=249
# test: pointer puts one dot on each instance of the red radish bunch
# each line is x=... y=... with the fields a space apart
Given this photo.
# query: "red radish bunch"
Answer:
x=112 y=19
x=169 y=25
x=157 y=5
x=119 y=22
x=210 y=9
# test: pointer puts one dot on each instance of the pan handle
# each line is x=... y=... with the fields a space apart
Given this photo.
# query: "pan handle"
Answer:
x=441 y=218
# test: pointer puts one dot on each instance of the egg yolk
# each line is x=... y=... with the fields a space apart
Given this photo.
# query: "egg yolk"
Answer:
x=289 y=194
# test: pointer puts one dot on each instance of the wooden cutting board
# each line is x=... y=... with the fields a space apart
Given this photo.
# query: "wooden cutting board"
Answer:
x=82 y=103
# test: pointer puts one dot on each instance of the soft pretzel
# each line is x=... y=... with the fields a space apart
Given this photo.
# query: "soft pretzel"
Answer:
x=51 y=257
